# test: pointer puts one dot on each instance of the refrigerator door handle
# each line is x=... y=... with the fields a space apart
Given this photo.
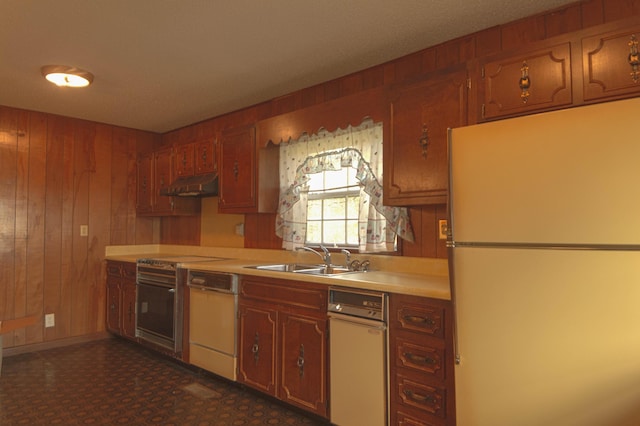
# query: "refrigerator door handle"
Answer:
x=450 y=246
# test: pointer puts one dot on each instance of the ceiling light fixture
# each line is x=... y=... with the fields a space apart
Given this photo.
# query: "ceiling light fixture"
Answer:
x=65 y=76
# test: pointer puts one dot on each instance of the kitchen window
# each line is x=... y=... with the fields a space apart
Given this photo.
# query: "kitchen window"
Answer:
x=332 y=208
x=330 y=192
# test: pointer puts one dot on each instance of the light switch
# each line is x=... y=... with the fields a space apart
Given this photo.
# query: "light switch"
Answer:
x=84 y=230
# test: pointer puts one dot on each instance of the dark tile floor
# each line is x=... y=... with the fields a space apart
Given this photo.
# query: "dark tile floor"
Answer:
x=113 y=381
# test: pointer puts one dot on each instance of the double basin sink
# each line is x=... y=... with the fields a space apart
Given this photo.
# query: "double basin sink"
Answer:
x=304 y=268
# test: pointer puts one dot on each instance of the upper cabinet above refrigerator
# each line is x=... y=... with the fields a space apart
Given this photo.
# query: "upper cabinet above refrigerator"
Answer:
x=611 y=64
x=525 y=82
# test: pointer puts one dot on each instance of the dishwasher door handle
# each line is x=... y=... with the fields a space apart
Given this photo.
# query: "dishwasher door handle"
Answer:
x=363 y=322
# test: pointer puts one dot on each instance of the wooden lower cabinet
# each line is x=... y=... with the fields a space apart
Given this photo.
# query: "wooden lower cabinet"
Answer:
x=121 y=298
x=303 y=361
x=283 y=341
x=258 y=325
x=421 y=361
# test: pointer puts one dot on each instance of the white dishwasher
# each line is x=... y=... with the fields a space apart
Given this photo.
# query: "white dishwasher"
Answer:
x=213 y=312
x=358 y=350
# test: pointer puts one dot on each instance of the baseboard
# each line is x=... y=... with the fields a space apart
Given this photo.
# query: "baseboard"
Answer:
x=36 y=347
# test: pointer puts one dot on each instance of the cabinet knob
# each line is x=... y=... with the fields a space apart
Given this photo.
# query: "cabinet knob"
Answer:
x=524 y=83
x=424 y=140
x=300 y=362
x=634 y=58
x=235 y=170
x=255 y=349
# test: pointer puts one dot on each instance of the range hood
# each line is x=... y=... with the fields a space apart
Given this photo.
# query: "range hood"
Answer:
x=193 y=186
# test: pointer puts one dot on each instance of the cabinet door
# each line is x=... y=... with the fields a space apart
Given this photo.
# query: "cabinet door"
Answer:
x=128 y=308
x=303 y=370
x=416 y=170
x=206 y=161
x=257 y=355
x=144 y=196
x=526 y=82
x=237 y=170
x=162 y=180
x=113 y=304
x=184 y=160
x=608 y=64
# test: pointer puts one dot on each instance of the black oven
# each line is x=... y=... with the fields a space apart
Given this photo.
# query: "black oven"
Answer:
x=159 y=304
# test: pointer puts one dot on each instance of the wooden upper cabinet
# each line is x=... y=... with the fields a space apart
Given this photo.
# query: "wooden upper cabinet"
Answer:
x=196 y=158
x=155 y=172
x=415 y=157
x=608 y=64
x=206 y=156
x=184 y=160
x=237 y=170
x=162 y=180
x=524 y=82
x=144 y=191
x=248 y=177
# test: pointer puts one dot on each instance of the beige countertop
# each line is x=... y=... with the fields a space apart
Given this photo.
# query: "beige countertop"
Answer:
x=393 y=274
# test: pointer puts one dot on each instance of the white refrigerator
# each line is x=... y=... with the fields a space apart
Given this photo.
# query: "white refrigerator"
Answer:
x=544 y=254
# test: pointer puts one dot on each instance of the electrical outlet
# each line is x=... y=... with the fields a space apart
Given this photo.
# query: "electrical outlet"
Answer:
x=442 y=229
x=50 y=320
x=84 y=230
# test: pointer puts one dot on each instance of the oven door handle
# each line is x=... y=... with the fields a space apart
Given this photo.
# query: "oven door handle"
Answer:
x=205 y=288
x=156 y=284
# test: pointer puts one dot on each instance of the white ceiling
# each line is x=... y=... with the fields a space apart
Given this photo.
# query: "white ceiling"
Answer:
x=164 y=64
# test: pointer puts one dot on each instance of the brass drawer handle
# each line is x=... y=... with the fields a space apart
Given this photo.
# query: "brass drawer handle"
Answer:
x=418 y=397
x=419 y=359
x=419 y=320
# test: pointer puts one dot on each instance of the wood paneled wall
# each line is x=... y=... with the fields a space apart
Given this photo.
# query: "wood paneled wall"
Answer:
x=57 y=174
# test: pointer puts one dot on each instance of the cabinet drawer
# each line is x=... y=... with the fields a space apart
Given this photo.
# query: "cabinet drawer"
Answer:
x=407 y=420
x=420 y=358
x=426 y=399
x=114 y=268
x=423 y=319
x=298 y=296
x=129 y=270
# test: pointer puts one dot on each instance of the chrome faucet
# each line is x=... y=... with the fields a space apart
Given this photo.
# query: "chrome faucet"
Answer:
x=326 y=257
x=347 y=260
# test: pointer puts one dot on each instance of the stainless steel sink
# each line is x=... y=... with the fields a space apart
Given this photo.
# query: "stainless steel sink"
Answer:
x=303 y=268
x=324 y=270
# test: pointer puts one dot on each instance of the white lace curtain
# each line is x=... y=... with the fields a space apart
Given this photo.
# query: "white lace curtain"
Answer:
x=358 y=147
